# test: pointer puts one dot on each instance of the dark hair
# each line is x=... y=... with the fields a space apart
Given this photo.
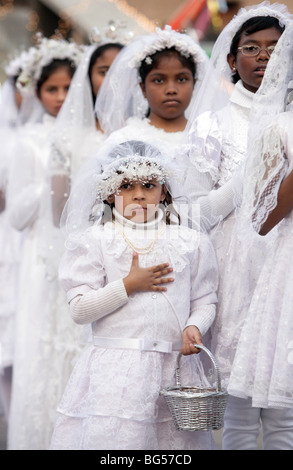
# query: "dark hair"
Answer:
x=49 y=69
x=253 y=25
x=98 y=52
x=146 y=66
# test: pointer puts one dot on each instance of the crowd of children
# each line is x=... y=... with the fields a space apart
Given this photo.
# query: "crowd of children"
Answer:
x=146 y=208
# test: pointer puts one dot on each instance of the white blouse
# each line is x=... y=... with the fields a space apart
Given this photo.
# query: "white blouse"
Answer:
x=92 y=274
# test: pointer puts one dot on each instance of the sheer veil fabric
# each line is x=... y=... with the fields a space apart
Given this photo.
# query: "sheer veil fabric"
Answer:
x=75 y=121
x=265 y=166
x=217 y=87
x=45 y=342
x=262 y=369
x=216 y=140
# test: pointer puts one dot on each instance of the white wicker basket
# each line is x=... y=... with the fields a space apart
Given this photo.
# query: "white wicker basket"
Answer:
x=196 y=408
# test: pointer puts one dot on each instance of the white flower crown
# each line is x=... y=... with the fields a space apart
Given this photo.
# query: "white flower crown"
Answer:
x=135 y=168
x=115 y=31
x=165 y=39
x=16 y=64
x=43 y=54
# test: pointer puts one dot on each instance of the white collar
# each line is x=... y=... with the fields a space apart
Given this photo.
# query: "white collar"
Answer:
x=150 y=225
x=242 y=96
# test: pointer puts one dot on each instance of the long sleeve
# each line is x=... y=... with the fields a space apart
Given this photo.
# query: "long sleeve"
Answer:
x=202 y=317
x=96 y=304
x=204 y=278
x=218 y=204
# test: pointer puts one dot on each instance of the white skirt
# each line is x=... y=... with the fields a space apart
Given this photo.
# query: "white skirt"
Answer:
x=112 y=401
x=10 y=246
x=263 y=365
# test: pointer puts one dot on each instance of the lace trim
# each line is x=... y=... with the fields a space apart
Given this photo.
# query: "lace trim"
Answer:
x=174 y=247
x=232 y=157
x=268 y=176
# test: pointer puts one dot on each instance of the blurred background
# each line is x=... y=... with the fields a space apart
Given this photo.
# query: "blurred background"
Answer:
x=20 y=20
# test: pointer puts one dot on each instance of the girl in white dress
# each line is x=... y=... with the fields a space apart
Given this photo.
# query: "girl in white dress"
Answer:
x=77 y=132
x=149 y=87
x=217 y=148
x=14 y=111
x=40 y=361
x=262 y=371
x=148 y=289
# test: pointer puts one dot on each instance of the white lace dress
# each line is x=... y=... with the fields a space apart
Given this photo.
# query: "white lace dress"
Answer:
x=46 y=342
x=112 y=399
x=263 y=365
x=220 y=142
x=137 y=128
x=10 y=249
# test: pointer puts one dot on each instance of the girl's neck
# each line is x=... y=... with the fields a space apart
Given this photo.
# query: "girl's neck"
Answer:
x=98 y=126
x=149 y=225
x=172 y=125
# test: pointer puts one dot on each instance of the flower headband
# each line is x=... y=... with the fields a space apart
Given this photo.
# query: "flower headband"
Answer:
x=132 y=168
x=16 y=64
x=277 y=10
x=166 y=39
x=42 y=55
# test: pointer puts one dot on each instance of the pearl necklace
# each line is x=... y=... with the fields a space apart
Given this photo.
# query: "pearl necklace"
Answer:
x=141 y=250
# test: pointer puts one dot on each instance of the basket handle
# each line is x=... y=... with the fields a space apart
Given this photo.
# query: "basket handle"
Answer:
x=200 y=346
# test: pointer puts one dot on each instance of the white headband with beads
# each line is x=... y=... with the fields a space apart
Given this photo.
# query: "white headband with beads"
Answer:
x=134 y=168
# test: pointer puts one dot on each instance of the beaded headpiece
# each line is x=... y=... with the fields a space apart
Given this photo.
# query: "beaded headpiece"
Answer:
x=42 y=55
x=128 y=161
x=168 y=38
x=115 y=31
x=136 y=168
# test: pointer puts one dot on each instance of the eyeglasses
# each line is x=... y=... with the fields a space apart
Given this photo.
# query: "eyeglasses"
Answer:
x=252 y=50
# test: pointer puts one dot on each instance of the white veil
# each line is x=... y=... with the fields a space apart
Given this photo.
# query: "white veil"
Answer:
x=208 y=135
x=266 y=164
x=217 y=85
x=121 y=96
x=10 y=114
x=86 y=201
x=247 y=251
x=75 y=118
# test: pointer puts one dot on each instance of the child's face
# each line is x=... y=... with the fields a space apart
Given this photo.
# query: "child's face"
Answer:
x=168 y=89
x=101 y=67
x=53 y=91
x=252 y=69
x=137 y=200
